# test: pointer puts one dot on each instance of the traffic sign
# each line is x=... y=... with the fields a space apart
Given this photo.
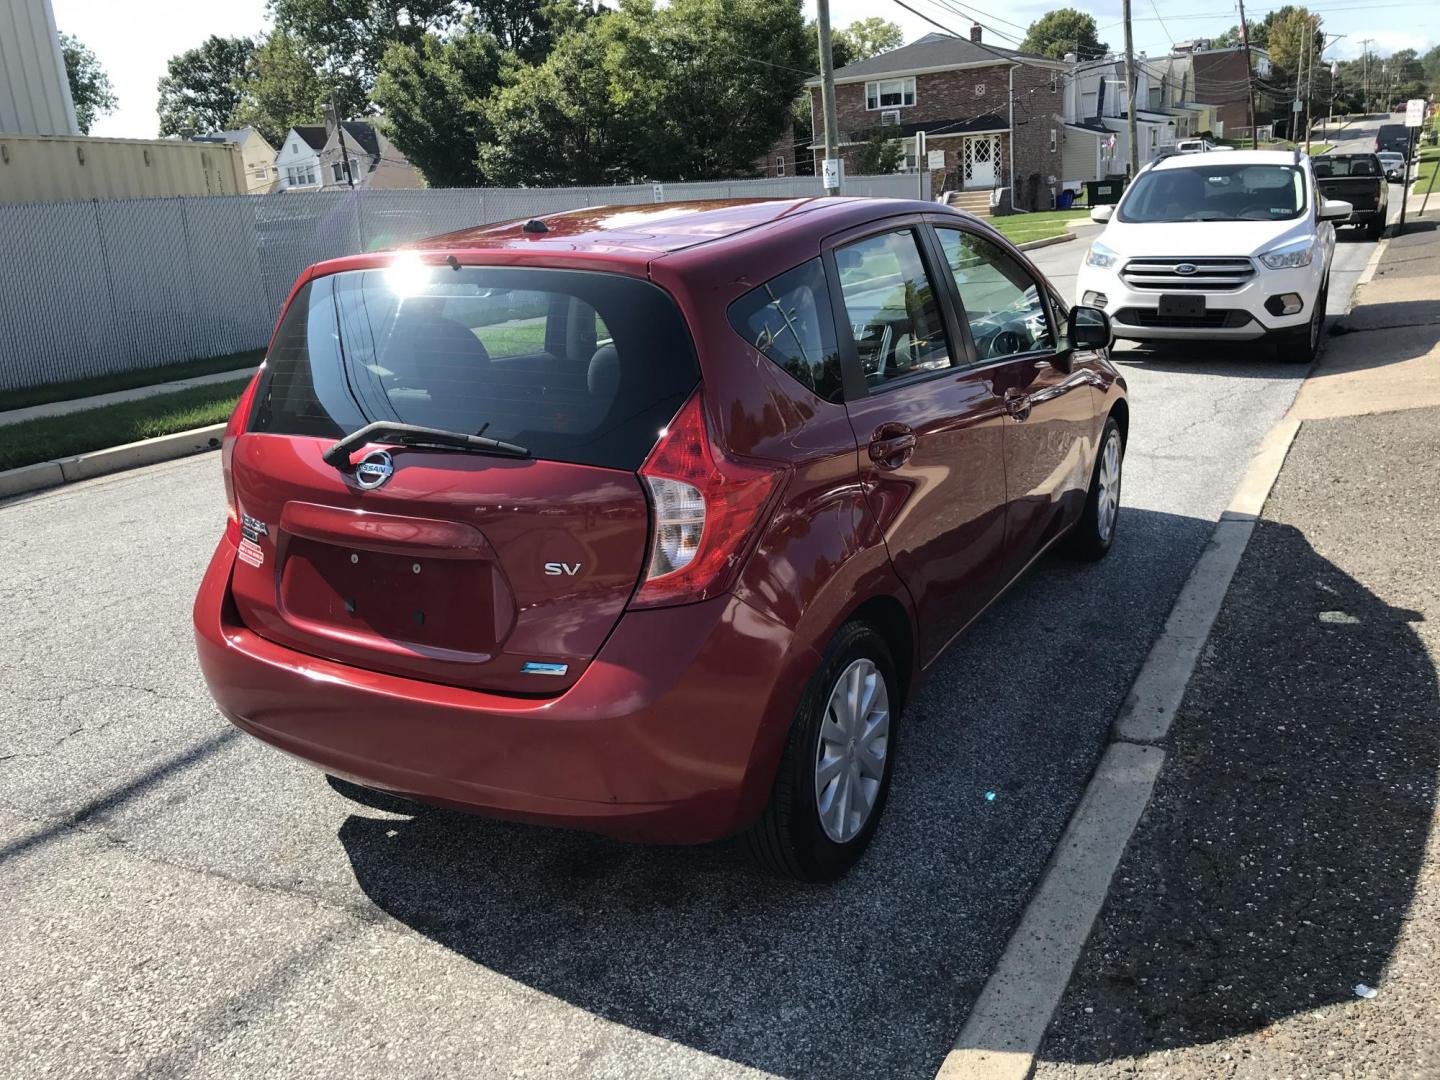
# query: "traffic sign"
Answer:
x=1415 y=112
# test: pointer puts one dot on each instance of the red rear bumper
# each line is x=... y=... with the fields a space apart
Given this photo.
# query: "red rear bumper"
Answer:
x=672 y=734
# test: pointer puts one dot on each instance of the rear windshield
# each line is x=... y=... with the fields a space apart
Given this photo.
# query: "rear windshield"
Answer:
x=572 y=365
x=1332 y=166
x=1215 y=192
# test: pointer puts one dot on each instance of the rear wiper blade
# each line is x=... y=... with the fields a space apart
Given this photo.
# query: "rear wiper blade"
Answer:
x=415 y=435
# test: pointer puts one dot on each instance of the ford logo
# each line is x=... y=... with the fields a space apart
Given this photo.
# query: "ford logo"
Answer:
x=1186 y=268
x=374 y=469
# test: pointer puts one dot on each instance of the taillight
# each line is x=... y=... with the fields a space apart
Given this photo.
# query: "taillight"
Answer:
x=704 y=508
x=233 y=430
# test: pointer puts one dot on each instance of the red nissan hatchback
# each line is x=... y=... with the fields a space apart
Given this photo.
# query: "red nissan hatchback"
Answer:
x=645 y=520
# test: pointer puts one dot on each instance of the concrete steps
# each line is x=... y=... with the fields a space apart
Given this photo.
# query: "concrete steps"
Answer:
x=974 y=202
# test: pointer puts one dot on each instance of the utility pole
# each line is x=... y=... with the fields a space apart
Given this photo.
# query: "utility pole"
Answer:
x=827 y=97
x=1365 y=93
x=1249 y=78
x=1130 y=94
x=344 y=153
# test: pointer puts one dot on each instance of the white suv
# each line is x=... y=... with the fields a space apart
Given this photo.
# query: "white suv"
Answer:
x=1204 y=246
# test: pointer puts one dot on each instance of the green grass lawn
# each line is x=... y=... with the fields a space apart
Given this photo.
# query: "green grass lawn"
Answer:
x=516 y=338
x=1022 y=228
x=113 y=425
x=126 y=380
x=1425 y=172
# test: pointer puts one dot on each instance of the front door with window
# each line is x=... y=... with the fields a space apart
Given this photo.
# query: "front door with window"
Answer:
x=929 y=430
x=980 y=155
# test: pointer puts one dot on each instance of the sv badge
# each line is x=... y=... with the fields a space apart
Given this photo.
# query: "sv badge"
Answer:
x=556 y=569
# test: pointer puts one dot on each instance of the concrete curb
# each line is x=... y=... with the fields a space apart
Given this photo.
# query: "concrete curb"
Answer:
x=1031 y=245
x=48 y=474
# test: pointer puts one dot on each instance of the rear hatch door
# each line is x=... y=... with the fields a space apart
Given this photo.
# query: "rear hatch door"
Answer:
x=489 y=569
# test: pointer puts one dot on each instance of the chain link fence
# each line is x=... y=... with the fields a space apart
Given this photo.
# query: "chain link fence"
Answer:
x=91 y=288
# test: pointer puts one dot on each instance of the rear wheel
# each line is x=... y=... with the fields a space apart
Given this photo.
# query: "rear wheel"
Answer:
x=1300 y=346
x=1376 y=229
x=1095 y=531
x=835 y=774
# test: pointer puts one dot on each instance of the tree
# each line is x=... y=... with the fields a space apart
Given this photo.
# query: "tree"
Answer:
x=90 y=88
x=284 y=88
x=203 y=86
x=693 y=90
x=1062 y=31
x=880 y=154
x=434 y=98
x=555 y=123
x=348 y=38
x=1293 y=35
x=865 y=38
x=1430 y=64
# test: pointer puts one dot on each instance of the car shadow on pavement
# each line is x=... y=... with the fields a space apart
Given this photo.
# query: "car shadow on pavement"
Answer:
x=1273 y=869
x=1232 y=359
x=871 y=976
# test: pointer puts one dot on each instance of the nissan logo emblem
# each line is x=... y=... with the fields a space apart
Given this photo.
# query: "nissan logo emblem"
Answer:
x=1186 y=268
x=374 y=469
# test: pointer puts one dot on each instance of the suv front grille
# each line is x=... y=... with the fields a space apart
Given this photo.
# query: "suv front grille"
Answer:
x=1210 y=274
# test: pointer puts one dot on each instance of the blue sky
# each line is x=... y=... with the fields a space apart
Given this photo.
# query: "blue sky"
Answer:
x=134 y=40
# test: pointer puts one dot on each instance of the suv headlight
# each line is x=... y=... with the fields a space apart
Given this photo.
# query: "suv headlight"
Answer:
x=1101 y=256
x=1290 y=256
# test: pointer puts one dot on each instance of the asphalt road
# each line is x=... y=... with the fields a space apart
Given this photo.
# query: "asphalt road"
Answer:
x=179 y=899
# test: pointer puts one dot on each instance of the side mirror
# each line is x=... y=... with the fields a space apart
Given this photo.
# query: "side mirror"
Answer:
x=1101 y=213
x=1335 y=209
x=1088 y=328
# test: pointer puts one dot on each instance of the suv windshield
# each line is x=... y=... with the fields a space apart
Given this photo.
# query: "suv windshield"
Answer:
x=1216 y=192
x=572 y=365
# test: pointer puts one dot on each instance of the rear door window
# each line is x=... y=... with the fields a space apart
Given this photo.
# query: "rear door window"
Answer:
x=573 y=365
x=789 y=320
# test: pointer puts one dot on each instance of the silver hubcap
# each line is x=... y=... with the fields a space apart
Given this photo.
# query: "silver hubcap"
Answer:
x=1108 y=499
x=850 y=759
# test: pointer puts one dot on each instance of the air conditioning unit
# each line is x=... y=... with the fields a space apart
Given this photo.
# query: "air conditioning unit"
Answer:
x=890 y=116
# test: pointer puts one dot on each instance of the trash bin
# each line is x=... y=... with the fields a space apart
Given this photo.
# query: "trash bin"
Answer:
x=1104 y=192
x=1065 y=200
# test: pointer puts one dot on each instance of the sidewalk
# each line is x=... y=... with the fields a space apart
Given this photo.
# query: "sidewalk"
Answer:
x=96 y=401
x=1289 y=861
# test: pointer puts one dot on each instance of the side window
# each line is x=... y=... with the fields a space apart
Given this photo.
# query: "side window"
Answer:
x=1002 y=302
x=892 y=308
x=788 y=319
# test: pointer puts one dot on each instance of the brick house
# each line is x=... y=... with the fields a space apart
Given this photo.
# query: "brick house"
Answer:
x=992 y=111
x=1220 y=79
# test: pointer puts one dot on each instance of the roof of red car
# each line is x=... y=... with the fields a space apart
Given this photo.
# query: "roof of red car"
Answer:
x=648 y=228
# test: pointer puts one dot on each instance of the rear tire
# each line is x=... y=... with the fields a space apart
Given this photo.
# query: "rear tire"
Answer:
x=1376 y=229
x=833 y=763
x=1300 y=346
x=1093 y=534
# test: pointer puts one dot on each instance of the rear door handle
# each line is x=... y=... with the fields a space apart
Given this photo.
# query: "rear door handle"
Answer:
x=892 y=445
x=1017 y=403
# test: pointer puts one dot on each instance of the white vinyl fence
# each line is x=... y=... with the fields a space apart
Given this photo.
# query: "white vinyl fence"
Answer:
x=91 y=288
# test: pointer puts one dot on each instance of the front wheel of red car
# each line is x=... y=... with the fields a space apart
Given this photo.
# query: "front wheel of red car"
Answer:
x=832 y=782
x=1095 y=531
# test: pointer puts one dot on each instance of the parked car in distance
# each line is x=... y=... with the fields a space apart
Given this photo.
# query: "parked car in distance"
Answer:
x=1359 y=180
x=1393 y=137
x=1217 y=248
x=1393 y=163
x=646 y=520
x=1193 y=146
